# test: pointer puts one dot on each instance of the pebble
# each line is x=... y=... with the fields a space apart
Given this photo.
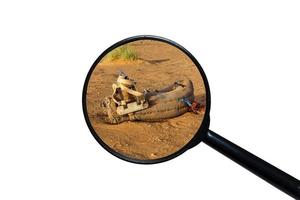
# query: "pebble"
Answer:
x=153 y=155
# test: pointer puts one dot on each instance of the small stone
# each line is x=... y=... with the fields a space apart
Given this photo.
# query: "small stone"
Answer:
x=153 y=155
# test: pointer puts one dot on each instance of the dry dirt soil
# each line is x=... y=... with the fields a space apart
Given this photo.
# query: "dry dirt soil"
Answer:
x=158 y=65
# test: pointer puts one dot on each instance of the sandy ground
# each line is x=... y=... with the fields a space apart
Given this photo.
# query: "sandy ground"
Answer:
x=158 y=65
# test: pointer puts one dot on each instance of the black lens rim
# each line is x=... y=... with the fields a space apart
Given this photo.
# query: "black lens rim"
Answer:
x=197 y=137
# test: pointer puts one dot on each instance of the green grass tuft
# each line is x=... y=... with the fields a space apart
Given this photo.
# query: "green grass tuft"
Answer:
x=123 y=52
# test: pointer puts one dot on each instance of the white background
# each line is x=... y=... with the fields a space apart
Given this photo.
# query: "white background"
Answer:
x=249 y=51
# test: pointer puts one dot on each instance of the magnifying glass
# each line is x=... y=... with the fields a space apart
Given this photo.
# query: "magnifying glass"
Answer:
x=146 y=100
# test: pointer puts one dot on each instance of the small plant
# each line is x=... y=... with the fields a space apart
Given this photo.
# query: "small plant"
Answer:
x=123 y=52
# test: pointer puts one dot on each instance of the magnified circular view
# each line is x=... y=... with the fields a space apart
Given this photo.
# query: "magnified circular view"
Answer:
x=145 y=99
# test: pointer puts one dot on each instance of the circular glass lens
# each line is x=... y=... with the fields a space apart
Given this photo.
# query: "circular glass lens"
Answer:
x=145 y=99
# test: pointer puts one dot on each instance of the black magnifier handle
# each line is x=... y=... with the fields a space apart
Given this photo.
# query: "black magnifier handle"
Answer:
x=261 y=168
